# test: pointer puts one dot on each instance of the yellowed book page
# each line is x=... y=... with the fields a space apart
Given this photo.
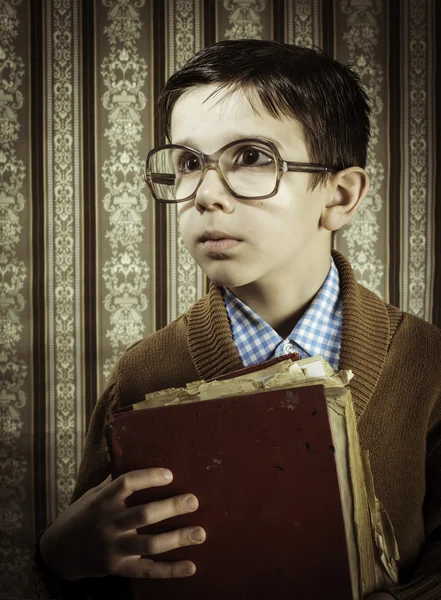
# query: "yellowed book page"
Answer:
x=337 y=400
x=385 y=542
x=285 y=373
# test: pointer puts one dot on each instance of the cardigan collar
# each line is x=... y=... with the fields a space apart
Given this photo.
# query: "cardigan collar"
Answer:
x=364 y=344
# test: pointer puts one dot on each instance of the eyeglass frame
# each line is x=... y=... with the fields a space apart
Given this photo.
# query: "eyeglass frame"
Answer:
x=211 y=161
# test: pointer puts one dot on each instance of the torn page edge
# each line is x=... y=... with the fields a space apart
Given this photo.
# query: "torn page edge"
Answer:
x=384 y=535
x=287 y=373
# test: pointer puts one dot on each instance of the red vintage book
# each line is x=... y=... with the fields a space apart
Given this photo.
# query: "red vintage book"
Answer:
x=263 y=466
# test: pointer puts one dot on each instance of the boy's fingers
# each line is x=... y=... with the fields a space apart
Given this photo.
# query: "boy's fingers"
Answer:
x=124 y=485
x=153 y=512
x=144 y=568
x=133 y=544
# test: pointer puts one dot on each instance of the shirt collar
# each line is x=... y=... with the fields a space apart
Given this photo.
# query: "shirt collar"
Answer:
x=318 y=332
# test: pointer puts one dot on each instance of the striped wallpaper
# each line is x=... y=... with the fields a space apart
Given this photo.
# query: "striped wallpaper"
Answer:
x=89 y=264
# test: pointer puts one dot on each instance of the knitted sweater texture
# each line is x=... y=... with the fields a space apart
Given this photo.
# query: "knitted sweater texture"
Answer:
x=396 y=389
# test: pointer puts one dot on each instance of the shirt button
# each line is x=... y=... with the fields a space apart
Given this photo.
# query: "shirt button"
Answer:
x=288 y=348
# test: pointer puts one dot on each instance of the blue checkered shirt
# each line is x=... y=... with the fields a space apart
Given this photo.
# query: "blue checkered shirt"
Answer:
x=318 y=332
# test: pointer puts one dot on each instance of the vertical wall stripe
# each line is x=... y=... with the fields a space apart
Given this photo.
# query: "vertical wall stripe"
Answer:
x=362 y=34
x=172 y=226
x=405 y=172
x=317 y=27
x=38 y=261
x=209 y=19
x=16 y=315
x=50 y=363
x=185 y=281
x=279 y=24
x=76 y=336
x=303 y=22
x=65 y=391
x=416 y=283
x=436 y=313
x=127 y=220
x=89 y=210
x=394 y=146
x=328 y=27
x=430 y=203
x=209 y=37
x=201 y=280
x=161 y=237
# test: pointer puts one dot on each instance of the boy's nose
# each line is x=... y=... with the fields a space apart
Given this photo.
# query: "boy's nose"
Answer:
x=213 y=194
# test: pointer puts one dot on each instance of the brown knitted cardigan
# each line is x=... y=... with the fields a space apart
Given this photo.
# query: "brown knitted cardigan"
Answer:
x=396 y=361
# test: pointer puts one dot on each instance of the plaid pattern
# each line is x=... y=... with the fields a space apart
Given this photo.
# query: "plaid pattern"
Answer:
x=317 y=333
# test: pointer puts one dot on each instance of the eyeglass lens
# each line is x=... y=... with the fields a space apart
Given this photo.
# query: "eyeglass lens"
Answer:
x=250 y=169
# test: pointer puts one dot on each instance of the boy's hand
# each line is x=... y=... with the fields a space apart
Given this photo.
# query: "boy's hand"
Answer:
x=96 y=536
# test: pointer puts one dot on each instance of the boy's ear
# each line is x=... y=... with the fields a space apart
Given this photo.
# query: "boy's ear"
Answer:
x=349 y=188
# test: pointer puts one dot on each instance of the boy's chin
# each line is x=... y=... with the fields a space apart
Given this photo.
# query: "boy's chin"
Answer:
x=229 y=280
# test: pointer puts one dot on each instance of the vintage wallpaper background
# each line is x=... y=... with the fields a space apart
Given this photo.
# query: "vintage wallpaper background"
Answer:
x=88 y=263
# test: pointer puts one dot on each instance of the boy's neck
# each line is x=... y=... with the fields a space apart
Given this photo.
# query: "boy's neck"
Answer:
x=282 y=300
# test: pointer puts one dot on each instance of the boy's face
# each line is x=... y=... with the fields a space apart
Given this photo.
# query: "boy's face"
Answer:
x=279 y=237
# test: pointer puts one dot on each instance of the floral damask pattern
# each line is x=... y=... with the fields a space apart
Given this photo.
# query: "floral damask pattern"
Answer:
x=63 y=247
x=300 y=28
x=13 y=274
x=245 y=19
x=125 y=274
x=186 y=277
x=361 y=36
x=417 y=203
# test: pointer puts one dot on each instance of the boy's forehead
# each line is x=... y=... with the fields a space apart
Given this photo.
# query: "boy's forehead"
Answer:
x=198 y=118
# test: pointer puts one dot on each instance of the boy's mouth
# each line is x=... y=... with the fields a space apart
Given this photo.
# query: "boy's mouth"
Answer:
x=218 y=240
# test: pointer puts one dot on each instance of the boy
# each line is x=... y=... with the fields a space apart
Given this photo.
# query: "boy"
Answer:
x=267 y=155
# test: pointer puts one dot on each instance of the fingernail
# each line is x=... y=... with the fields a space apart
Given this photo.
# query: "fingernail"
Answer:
x=190 y=570
x=190 y=502
x=167 y=474
x=197 y=535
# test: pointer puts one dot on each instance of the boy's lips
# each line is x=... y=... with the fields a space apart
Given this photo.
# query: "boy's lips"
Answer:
x=218 y=240
x=216 y=235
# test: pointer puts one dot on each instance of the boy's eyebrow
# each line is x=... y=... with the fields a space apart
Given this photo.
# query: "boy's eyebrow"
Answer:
x=188 y=141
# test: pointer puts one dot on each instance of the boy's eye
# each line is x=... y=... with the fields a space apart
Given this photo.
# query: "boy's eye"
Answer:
x=252 y=157
x=188 y=163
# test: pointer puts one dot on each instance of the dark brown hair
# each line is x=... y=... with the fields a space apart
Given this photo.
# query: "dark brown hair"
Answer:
x=322 y=94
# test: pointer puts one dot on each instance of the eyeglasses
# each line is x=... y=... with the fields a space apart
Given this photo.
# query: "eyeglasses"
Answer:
x=250 y=169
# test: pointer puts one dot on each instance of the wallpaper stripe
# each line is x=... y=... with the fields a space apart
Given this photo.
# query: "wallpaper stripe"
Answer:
x=417 y=201
x=328 y=25
x=38 y=320
x=50 y=425
x=126 y=253
x=15 y=314
x=209 y=22
x=64 y=333
x=185 y=280
x=303 y=21
x=437 y=165
x=75 y=339
x=394 y=146
x=362 y=35
x=431 y=144
x=279 y=21
x=162 y=241
x=88 y=203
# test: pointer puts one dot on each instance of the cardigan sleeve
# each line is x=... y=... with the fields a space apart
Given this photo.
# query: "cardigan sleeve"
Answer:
x=94 y=468
x=425 y=583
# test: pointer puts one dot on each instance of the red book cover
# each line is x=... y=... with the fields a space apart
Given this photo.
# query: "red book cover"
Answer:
x=262 y=466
